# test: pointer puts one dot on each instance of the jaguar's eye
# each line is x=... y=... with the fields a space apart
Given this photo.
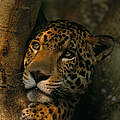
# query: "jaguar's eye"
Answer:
x=35 y=45
x=68 y=54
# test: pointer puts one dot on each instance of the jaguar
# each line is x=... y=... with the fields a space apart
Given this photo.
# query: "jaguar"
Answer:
x=58 y=68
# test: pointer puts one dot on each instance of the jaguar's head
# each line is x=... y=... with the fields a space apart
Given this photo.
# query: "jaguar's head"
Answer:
x=60 y=59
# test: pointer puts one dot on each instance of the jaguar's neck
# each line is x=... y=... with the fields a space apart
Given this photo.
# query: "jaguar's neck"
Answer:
x=66 y=108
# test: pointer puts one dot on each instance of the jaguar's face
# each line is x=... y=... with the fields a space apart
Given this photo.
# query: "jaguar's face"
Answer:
x=58 y=61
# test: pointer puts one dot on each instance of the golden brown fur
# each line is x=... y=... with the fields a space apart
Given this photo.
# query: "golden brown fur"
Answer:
x=58 y=67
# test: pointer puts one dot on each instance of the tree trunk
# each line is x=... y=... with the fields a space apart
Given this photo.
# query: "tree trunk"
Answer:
x=17 y=18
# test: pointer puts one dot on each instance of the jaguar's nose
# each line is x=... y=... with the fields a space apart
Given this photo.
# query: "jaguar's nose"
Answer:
x=38 y=76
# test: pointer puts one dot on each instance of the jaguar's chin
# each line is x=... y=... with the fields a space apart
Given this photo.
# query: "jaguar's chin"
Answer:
x=36 y=95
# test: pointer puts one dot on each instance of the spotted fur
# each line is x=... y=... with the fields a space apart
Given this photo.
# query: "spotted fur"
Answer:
x=58 y=67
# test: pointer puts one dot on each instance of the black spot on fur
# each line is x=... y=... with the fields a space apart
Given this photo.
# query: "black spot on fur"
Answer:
x=63 y=35
x=82 y=73
x=81 y=64
x=78 y=82
x=27 y=111
x=42 y=113
x=87 y=77
x=54 y=116
x=84 y=34
x=83 y=42
x=50 y=111
x=59 y=110
x=52 y=34
x=64 y=115
x=73 y=87
x=56 y=39
x=34 y=111
x=64 y=31
x=66 y=38
x=40 y=109
x=88 y=55
x=55 y=29
x=71 y=36
x=80 y=58
x=80 y=50
x=73 y=76
x=45 y=38
x=88 y=62
x=69 y=82
x=49 y=32
x=37 y=115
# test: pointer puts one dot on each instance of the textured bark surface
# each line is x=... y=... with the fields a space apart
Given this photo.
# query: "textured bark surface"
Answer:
x=17 y=18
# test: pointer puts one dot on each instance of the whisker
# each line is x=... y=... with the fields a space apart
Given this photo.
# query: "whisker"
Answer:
x=55 y=81
x=61 y=93
x=25 y=73
x=53 y=84
x=25 y=77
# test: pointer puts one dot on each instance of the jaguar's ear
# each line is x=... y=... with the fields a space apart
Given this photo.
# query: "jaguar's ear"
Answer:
x=102 y=46
x=41 y=20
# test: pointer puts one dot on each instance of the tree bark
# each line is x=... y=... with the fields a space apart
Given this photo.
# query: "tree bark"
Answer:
x=17 y=18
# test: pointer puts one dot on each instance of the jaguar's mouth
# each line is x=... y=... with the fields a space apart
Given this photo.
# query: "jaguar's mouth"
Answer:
x=43 y=84
x=30 y=89
x=38 y=76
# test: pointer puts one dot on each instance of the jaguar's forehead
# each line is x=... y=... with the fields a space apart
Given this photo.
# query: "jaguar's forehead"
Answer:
x=58 y=34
